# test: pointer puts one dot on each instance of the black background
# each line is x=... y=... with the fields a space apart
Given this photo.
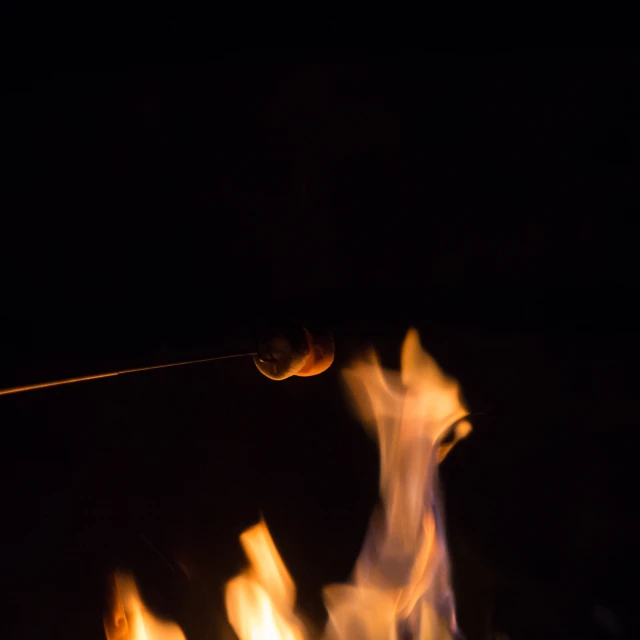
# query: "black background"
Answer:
x=155 y=210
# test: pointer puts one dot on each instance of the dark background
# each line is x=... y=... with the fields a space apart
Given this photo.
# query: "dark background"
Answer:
x=150 y=211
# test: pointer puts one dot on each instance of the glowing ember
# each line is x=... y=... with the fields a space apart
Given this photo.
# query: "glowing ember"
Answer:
x=401 y=584
x=129 y=619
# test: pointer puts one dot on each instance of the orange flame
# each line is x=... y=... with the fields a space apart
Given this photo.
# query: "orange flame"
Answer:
x=260 y=601
x=129 y=618
x=401 y=585
x=401 y=579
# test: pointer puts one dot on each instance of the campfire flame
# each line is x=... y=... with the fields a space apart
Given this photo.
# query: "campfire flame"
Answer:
x=129 y=618
x=260 y=601
x=401 y=585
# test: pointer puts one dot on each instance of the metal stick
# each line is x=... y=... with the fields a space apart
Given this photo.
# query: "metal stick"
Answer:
x=157 y=552
x=57 y=383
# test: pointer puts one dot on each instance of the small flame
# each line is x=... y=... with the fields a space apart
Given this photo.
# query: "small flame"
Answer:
x=129 y=618
x=401 y=580
x=260 y=601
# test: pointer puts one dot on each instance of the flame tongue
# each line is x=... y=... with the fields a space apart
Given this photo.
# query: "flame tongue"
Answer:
x=402 y=573
x=129 y=618
x=260 y=601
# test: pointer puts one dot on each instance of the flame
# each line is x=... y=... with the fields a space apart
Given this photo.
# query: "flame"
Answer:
x=129 y=618
x=401 y=582
x=260 y=601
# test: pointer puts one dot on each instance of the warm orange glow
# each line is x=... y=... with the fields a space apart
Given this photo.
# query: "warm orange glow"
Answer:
x=320 y=358
x=260 y=601
x=401 y=580
x=129 y=619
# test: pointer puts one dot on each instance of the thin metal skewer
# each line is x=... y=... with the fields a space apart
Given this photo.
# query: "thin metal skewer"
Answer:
x=57 y=383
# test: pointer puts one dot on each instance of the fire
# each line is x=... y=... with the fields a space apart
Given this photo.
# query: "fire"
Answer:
x=401 y=582
x=260 y=601
x=129 y=618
